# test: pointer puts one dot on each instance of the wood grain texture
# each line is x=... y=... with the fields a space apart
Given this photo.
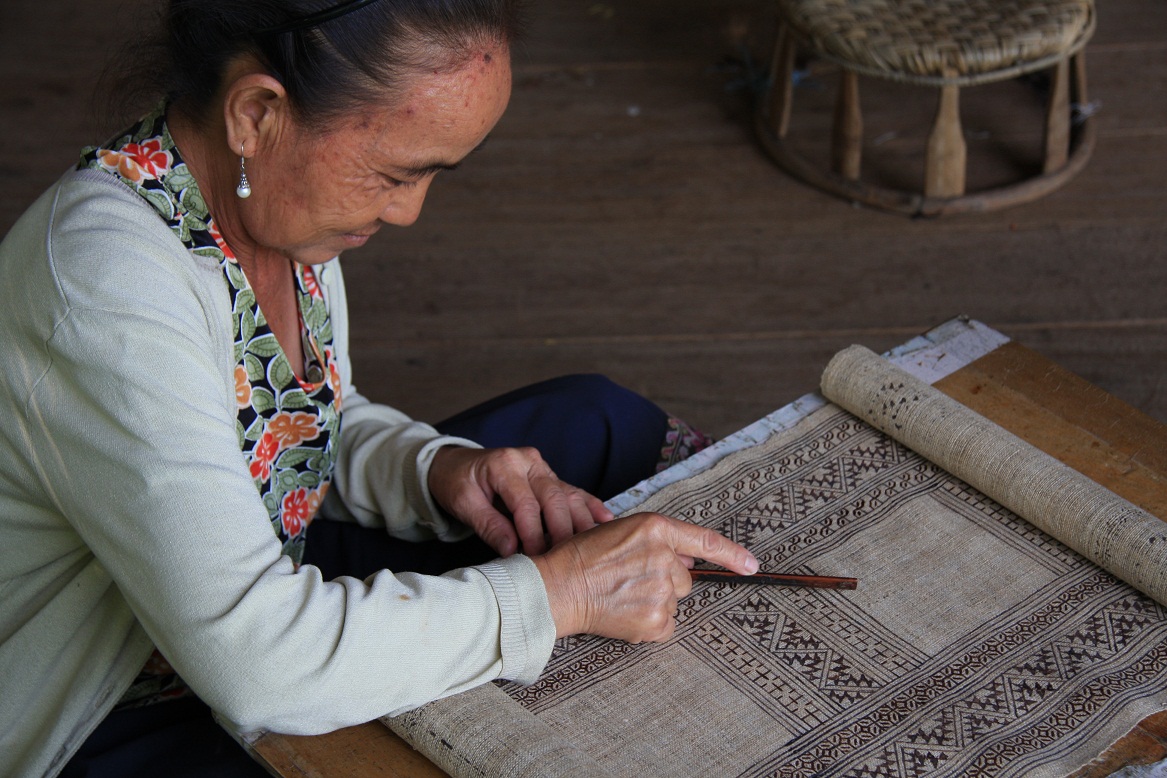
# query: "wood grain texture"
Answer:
x=1145 y=744
x=362 y=751
x=1069 y=419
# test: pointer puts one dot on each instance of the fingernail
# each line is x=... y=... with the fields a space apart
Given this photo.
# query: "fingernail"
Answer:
x=751 y=564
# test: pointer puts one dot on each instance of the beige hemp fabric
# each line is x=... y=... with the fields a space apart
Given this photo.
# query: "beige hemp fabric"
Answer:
x=975 y=644
x=1095 y=522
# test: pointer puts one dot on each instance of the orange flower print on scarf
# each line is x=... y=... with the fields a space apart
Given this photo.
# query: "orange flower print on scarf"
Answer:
x=333 y=375
x=242 y=387
x=298 y=508
x=138 y=161
x=228 y=254
x=317 y=496
x=263 y=455
x=287 y=428
x=296 y=512
x=311 y=285
x=292 y=429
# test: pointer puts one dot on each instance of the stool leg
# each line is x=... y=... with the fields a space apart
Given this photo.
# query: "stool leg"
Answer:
x=777 y=101
x=947 y=154
x=847 y=140
x=1057 y=119
x=1080 y=78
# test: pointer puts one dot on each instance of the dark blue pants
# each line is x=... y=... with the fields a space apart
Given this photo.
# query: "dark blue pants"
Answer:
x=593 y=434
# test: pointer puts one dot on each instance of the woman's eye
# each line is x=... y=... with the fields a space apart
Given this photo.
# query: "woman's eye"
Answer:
x=394 y=183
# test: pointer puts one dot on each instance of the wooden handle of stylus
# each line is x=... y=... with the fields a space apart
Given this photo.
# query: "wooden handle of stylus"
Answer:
x=775 y=579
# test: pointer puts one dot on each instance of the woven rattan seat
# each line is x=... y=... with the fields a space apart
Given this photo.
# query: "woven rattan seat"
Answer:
x=947 y=44
x=924 y=41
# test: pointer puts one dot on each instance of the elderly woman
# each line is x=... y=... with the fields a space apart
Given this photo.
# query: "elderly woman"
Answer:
x=178 y=407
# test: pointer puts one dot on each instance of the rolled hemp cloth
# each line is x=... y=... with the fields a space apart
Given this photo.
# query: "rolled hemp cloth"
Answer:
x=1114 y=534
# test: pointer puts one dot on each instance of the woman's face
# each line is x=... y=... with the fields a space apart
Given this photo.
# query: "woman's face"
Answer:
x=317 y=193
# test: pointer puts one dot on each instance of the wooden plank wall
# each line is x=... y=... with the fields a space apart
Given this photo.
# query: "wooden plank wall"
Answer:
x=623 y=220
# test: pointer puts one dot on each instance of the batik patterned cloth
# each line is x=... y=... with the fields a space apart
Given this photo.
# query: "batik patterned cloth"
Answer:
x=974 y=645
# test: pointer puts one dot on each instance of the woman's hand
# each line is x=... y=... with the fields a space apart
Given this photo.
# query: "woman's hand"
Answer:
x=623 y=579
x=473 y=484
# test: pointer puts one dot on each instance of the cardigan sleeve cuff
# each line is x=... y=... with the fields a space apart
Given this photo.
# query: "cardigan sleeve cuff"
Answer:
x=527 y=629
x=444 y=526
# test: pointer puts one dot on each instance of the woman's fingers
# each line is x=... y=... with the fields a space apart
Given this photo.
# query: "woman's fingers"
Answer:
x=596 y=510
x=620 y=579
x=495 y=529
x=623 y=579
x=703 y=543
x=555 y=507
x=477 y=485
x=566 y=510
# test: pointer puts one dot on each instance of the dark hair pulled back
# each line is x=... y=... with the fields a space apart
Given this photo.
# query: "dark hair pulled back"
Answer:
x=328 y=69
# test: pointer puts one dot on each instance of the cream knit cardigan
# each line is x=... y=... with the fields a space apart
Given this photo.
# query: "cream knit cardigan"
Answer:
x=128 y=519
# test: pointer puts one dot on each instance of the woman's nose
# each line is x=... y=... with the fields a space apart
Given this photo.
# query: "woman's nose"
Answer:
x=406 y=207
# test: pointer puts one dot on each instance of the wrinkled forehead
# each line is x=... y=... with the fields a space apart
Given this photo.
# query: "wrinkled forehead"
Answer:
x=435 y=120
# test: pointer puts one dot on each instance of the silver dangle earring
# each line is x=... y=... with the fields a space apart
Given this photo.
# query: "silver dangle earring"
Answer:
x=244 y=188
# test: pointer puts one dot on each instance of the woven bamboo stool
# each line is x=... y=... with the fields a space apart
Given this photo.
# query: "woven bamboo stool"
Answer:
x=946 y=44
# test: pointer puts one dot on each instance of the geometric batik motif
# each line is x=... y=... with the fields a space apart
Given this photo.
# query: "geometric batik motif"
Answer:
x=975 y=645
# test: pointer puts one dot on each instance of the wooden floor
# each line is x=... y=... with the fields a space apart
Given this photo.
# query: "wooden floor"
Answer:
x=622 y=218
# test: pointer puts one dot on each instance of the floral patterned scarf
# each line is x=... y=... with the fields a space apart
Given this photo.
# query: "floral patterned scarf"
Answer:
x=287 y=427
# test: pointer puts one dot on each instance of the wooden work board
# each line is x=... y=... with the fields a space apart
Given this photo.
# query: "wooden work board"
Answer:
x=1027 y=394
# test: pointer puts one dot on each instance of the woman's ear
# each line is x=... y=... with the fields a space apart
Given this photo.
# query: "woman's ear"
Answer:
x=255 y=110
